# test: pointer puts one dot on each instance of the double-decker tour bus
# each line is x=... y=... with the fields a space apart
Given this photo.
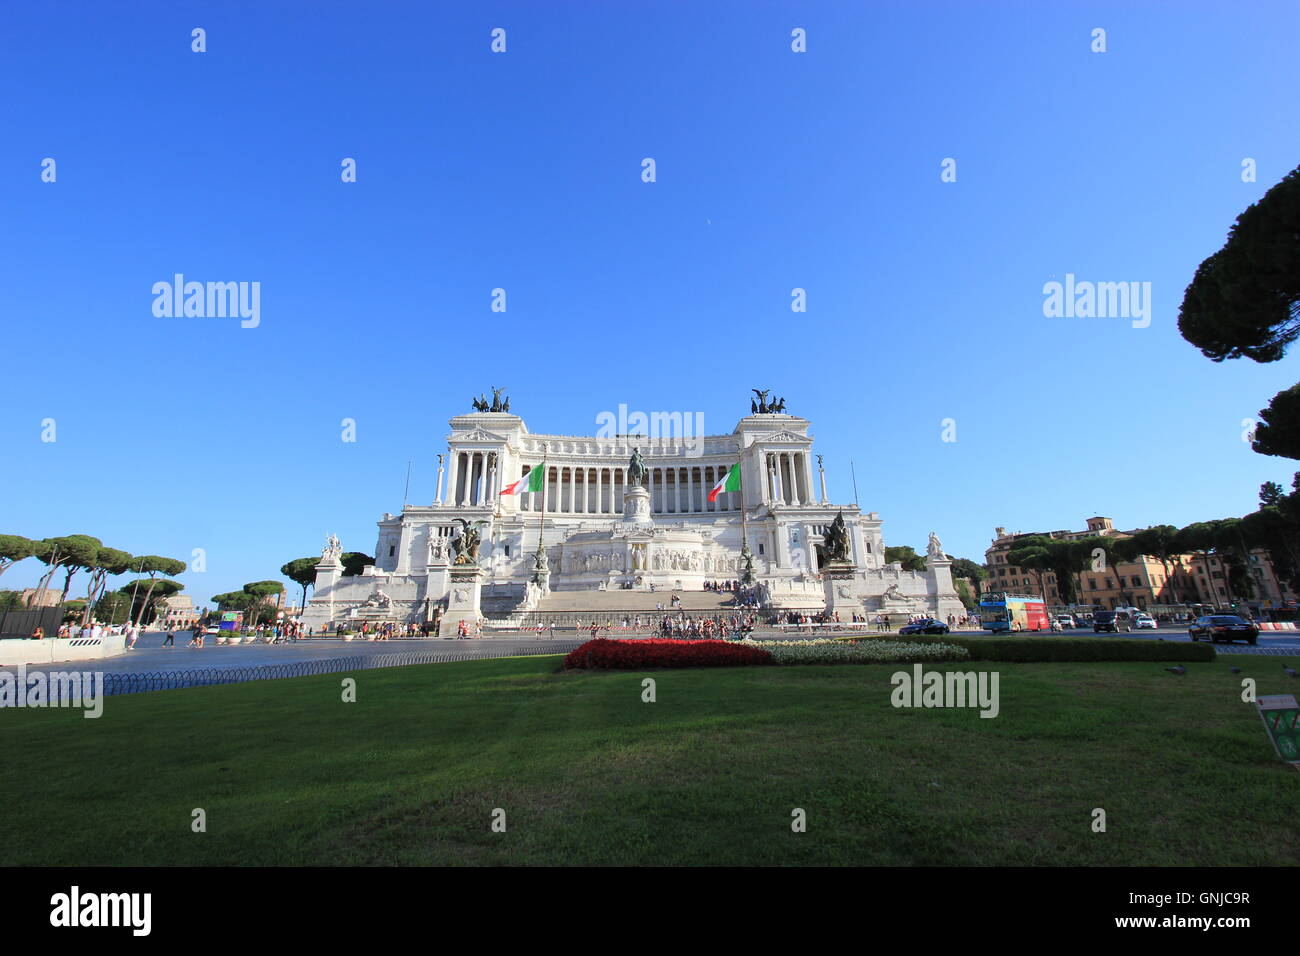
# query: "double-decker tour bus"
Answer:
x=1003 y=613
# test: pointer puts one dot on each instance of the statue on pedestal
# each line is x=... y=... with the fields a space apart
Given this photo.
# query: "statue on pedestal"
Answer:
x=465 y=545
x=836 y=541
x=935 y=549
x=636 y=469
x=333 y=548
x=746 y=565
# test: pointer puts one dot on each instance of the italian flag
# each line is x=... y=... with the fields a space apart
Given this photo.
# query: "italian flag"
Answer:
x=529 y=482
x=730 y=482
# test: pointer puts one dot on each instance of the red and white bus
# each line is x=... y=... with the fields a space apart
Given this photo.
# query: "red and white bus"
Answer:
x=1005 y=613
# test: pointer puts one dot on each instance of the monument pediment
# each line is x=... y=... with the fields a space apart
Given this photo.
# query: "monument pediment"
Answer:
x=783 y=437
x=477 y=435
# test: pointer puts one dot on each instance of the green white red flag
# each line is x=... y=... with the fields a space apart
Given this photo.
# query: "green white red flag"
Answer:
x=529 y=482
x=730 y=482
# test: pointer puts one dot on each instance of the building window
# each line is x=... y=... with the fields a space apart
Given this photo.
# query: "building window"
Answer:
x=392 y=549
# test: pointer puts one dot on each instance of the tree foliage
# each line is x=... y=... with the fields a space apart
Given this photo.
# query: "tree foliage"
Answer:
x=153 y=565
x=966 y=568
x=1278 y=431
x=259 y=603
x=147 y=604
x=14 y=548
x=301 y=571
x=905 y=555
x=354 y=562
x=1244 y=300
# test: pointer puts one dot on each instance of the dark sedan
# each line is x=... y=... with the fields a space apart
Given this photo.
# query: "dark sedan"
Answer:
x=1223 y=627
x=929 y=626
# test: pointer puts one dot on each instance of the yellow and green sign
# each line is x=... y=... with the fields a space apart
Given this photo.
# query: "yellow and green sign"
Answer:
x=1281 y=716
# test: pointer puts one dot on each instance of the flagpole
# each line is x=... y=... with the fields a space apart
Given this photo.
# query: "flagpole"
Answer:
x=541 y=526
x=744 y=526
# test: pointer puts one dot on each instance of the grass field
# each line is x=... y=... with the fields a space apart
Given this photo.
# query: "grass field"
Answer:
x=709 y=774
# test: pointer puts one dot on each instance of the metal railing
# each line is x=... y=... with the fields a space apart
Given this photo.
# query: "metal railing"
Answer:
x=115 y=684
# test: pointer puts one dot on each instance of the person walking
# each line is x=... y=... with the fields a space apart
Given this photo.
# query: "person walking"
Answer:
x=170 y=641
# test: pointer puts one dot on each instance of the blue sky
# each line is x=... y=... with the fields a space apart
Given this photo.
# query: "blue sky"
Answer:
x=522 y=170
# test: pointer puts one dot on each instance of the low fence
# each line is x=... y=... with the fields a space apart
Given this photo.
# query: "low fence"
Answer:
x=176 y=680
x=116 y=684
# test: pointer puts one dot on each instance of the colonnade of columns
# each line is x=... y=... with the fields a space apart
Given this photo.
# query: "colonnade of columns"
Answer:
x=789 y=477
x=474 y=479
x=586 y=489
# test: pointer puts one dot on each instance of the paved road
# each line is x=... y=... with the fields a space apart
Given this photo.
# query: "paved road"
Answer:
x=150 y=656
x=1271 y=643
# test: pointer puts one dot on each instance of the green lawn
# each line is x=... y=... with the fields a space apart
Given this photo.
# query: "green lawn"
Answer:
x=587 y=773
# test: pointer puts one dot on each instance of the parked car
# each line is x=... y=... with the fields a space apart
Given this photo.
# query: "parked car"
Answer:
x=1224 y=627
x=929 y=626
x=1111 y=621
x=1145 y=622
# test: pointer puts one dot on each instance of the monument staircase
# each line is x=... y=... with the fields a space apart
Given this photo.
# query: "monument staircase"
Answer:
x=567 y=608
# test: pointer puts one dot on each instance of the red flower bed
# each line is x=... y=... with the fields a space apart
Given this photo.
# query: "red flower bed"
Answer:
x=634 y=655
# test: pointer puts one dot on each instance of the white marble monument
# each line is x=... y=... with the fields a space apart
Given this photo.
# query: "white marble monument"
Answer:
x=629 y=511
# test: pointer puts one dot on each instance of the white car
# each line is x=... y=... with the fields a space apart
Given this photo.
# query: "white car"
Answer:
x=1065 y=621
x=1145 y=621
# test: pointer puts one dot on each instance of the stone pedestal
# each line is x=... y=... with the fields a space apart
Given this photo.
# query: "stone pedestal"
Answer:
x=636 y=506
x=939 y=568
x=463 y=600
x=320 y=612
x=541 y=570
x=841 y=590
